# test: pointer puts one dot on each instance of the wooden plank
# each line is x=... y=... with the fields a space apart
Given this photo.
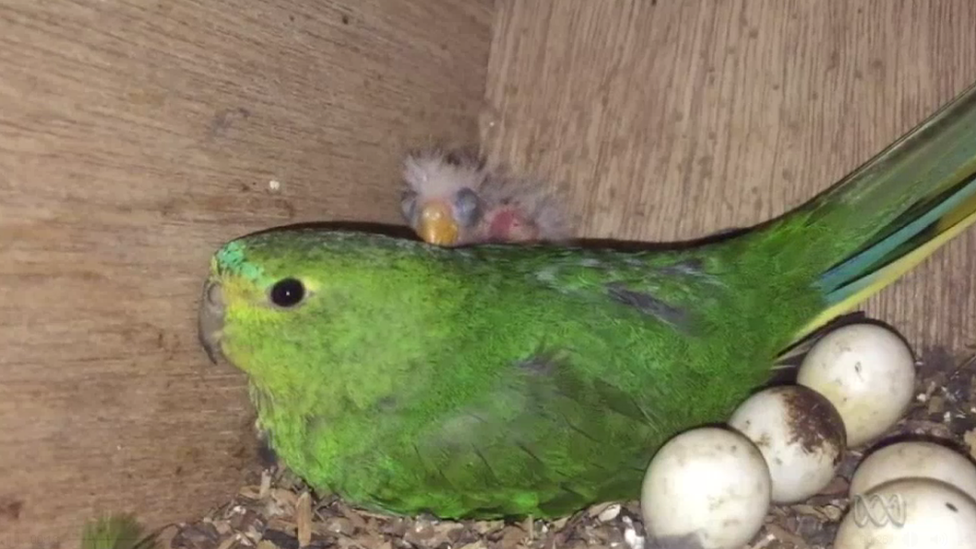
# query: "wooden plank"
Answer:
x=137 y=136
x=671 y=120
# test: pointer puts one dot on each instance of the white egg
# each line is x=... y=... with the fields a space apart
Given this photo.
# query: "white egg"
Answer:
x=709 y=487
x=911 y=513
x=799 y=433
x=914 y=459
x=867 y=372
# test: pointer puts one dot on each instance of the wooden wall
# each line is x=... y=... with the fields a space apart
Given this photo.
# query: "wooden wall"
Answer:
x=674 y=119
x=135 y=137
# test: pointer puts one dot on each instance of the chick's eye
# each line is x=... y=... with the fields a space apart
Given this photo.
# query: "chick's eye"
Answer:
x=408 y=201
x=468 y=206
x=287 y=292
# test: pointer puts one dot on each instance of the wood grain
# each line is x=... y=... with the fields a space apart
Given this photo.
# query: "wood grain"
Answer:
x=137 y=136
x=669 y=120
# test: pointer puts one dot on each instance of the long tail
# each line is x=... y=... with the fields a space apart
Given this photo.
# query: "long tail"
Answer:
x=897 y=209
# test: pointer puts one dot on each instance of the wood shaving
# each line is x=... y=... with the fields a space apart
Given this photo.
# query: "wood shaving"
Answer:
x=303 y=519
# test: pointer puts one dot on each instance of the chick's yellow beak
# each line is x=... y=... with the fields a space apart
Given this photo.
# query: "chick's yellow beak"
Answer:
x=437 y=224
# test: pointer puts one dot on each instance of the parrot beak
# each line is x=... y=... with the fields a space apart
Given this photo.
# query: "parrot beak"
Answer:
x=437 y=224
x=210 y=322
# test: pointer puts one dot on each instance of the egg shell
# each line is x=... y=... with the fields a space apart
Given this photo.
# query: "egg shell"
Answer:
x=801 y=437
x=914 y=459
x=708 y=482
x=910 y=513
x=867 y=372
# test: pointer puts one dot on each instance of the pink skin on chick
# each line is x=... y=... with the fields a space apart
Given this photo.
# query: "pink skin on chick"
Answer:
x=510 y=225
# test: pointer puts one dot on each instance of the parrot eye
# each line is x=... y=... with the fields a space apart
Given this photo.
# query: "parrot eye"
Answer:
x=287 y=292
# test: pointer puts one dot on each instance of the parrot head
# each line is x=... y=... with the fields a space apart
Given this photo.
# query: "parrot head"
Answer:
x=441 y=202
x=279 y=304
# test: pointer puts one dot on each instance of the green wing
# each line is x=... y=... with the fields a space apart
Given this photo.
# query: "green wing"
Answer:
x=583 y=435
x=557 y=420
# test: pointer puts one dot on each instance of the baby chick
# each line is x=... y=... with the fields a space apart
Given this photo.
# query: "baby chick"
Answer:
x=454 y=200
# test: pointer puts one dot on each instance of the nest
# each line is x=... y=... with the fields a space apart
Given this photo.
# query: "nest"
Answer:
x=278 y=511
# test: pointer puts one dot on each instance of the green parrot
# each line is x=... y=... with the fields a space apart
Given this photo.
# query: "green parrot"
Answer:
x=116 y=532
x=534 y=380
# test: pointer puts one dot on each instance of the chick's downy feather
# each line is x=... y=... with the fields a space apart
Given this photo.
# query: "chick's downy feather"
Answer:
x=453 y=199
